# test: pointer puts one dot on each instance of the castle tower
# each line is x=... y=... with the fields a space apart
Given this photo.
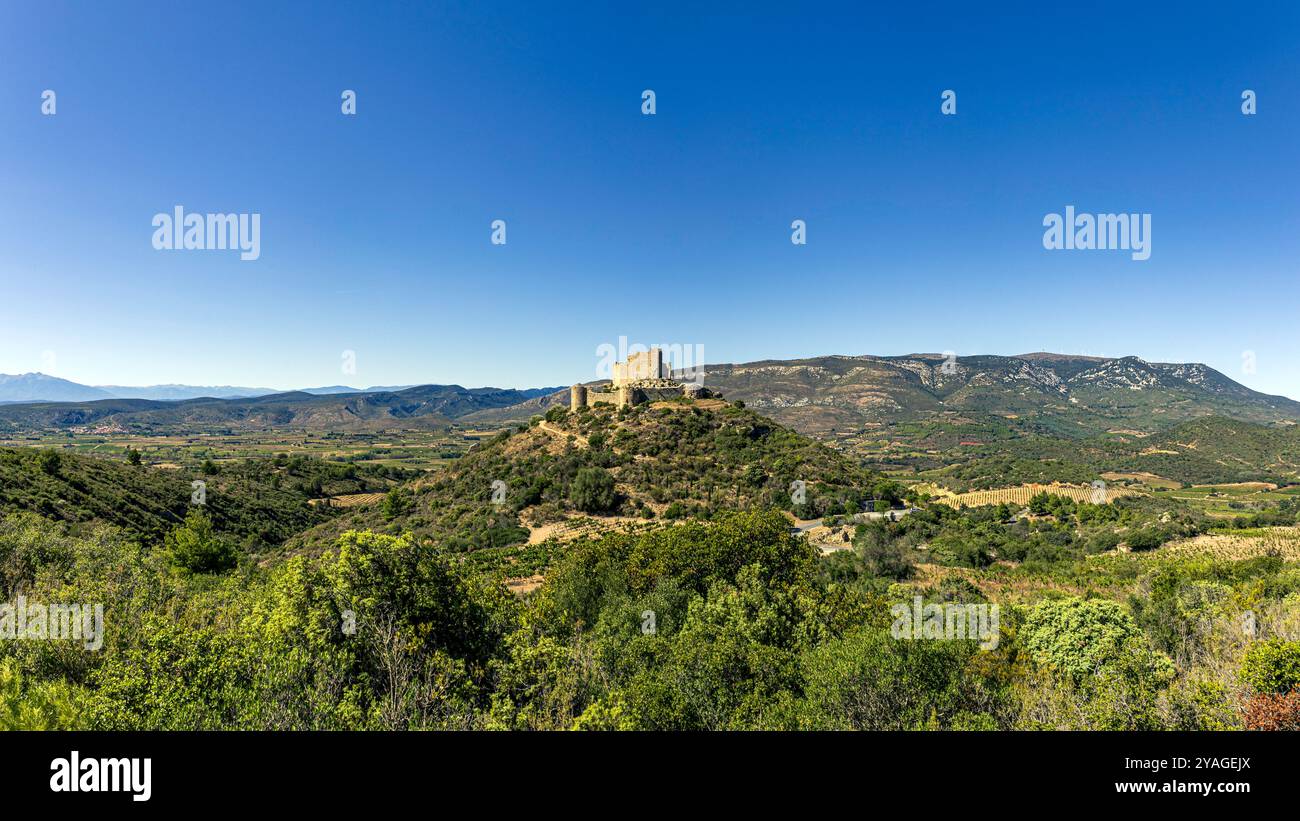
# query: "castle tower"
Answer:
x=639 y=366
x=577 y=397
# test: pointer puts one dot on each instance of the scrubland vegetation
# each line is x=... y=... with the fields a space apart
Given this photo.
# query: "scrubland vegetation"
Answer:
x=260 y=609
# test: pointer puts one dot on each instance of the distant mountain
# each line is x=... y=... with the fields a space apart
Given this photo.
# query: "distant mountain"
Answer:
x=173 y=393
x=1068 y=395
x=425 y=406
x=38 y=387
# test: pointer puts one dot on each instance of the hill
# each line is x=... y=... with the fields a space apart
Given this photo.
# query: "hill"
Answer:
x=1200 y=451
x=660 y=461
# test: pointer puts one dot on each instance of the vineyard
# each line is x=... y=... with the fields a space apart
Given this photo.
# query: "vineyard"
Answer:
x=1281 y=541
x=355 y=499
x=1021 y=494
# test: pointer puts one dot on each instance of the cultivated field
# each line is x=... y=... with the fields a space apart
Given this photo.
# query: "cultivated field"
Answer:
x=1282 y=541
x=1021 y=494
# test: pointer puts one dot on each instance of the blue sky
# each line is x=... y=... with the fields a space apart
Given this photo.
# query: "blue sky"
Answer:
x=924 y=230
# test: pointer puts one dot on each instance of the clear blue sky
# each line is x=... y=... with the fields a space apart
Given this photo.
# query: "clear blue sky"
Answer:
x=924 y=231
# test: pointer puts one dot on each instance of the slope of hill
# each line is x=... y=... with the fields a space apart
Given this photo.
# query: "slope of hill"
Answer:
x=660 y=461
x=1206 y=450
x=1220 y=450
x=147 y=502
x=260 y=502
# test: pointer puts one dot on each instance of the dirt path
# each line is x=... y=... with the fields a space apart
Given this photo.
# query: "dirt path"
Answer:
x=563 y=435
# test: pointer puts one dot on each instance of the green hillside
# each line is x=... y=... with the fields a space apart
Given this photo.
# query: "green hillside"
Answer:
x=260 y=502
x=1202 y=451
x=652 y=462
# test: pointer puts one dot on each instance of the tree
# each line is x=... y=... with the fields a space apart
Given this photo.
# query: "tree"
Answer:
x=50 y=460
x=132 y=456
x=397 y=503
x=593 y=490
x=880 y=556
x=1148 y=538
x=194 y=547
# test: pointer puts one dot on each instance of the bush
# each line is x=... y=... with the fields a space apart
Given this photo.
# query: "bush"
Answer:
x=1272 y=667
x=397 y=503
x=1148 y=538
x=593 y=490
x=1274 y=712
x=1076 y=636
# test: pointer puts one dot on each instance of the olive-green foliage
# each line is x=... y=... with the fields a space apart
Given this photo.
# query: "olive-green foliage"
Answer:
x=375 y=634
x=593 y=490
x=148 y=502
x=1077 y=636
x=868 y=680
x=1272 y=666
x=39 y=705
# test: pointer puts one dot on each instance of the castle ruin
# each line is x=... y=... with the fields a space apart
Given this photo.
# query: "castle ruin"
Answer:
x=645 y=376
x=641 y=366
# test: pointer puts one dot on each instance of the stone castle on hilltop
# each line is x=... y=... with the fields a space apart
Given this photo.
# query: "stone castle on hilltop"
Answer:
x=644 y=376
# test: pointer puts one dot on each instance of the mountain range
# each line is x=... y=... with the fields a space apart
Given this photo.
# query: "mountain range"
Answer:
x=1054 y=394
x=40 y=387
x=424 y=407
x=1044 y=393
